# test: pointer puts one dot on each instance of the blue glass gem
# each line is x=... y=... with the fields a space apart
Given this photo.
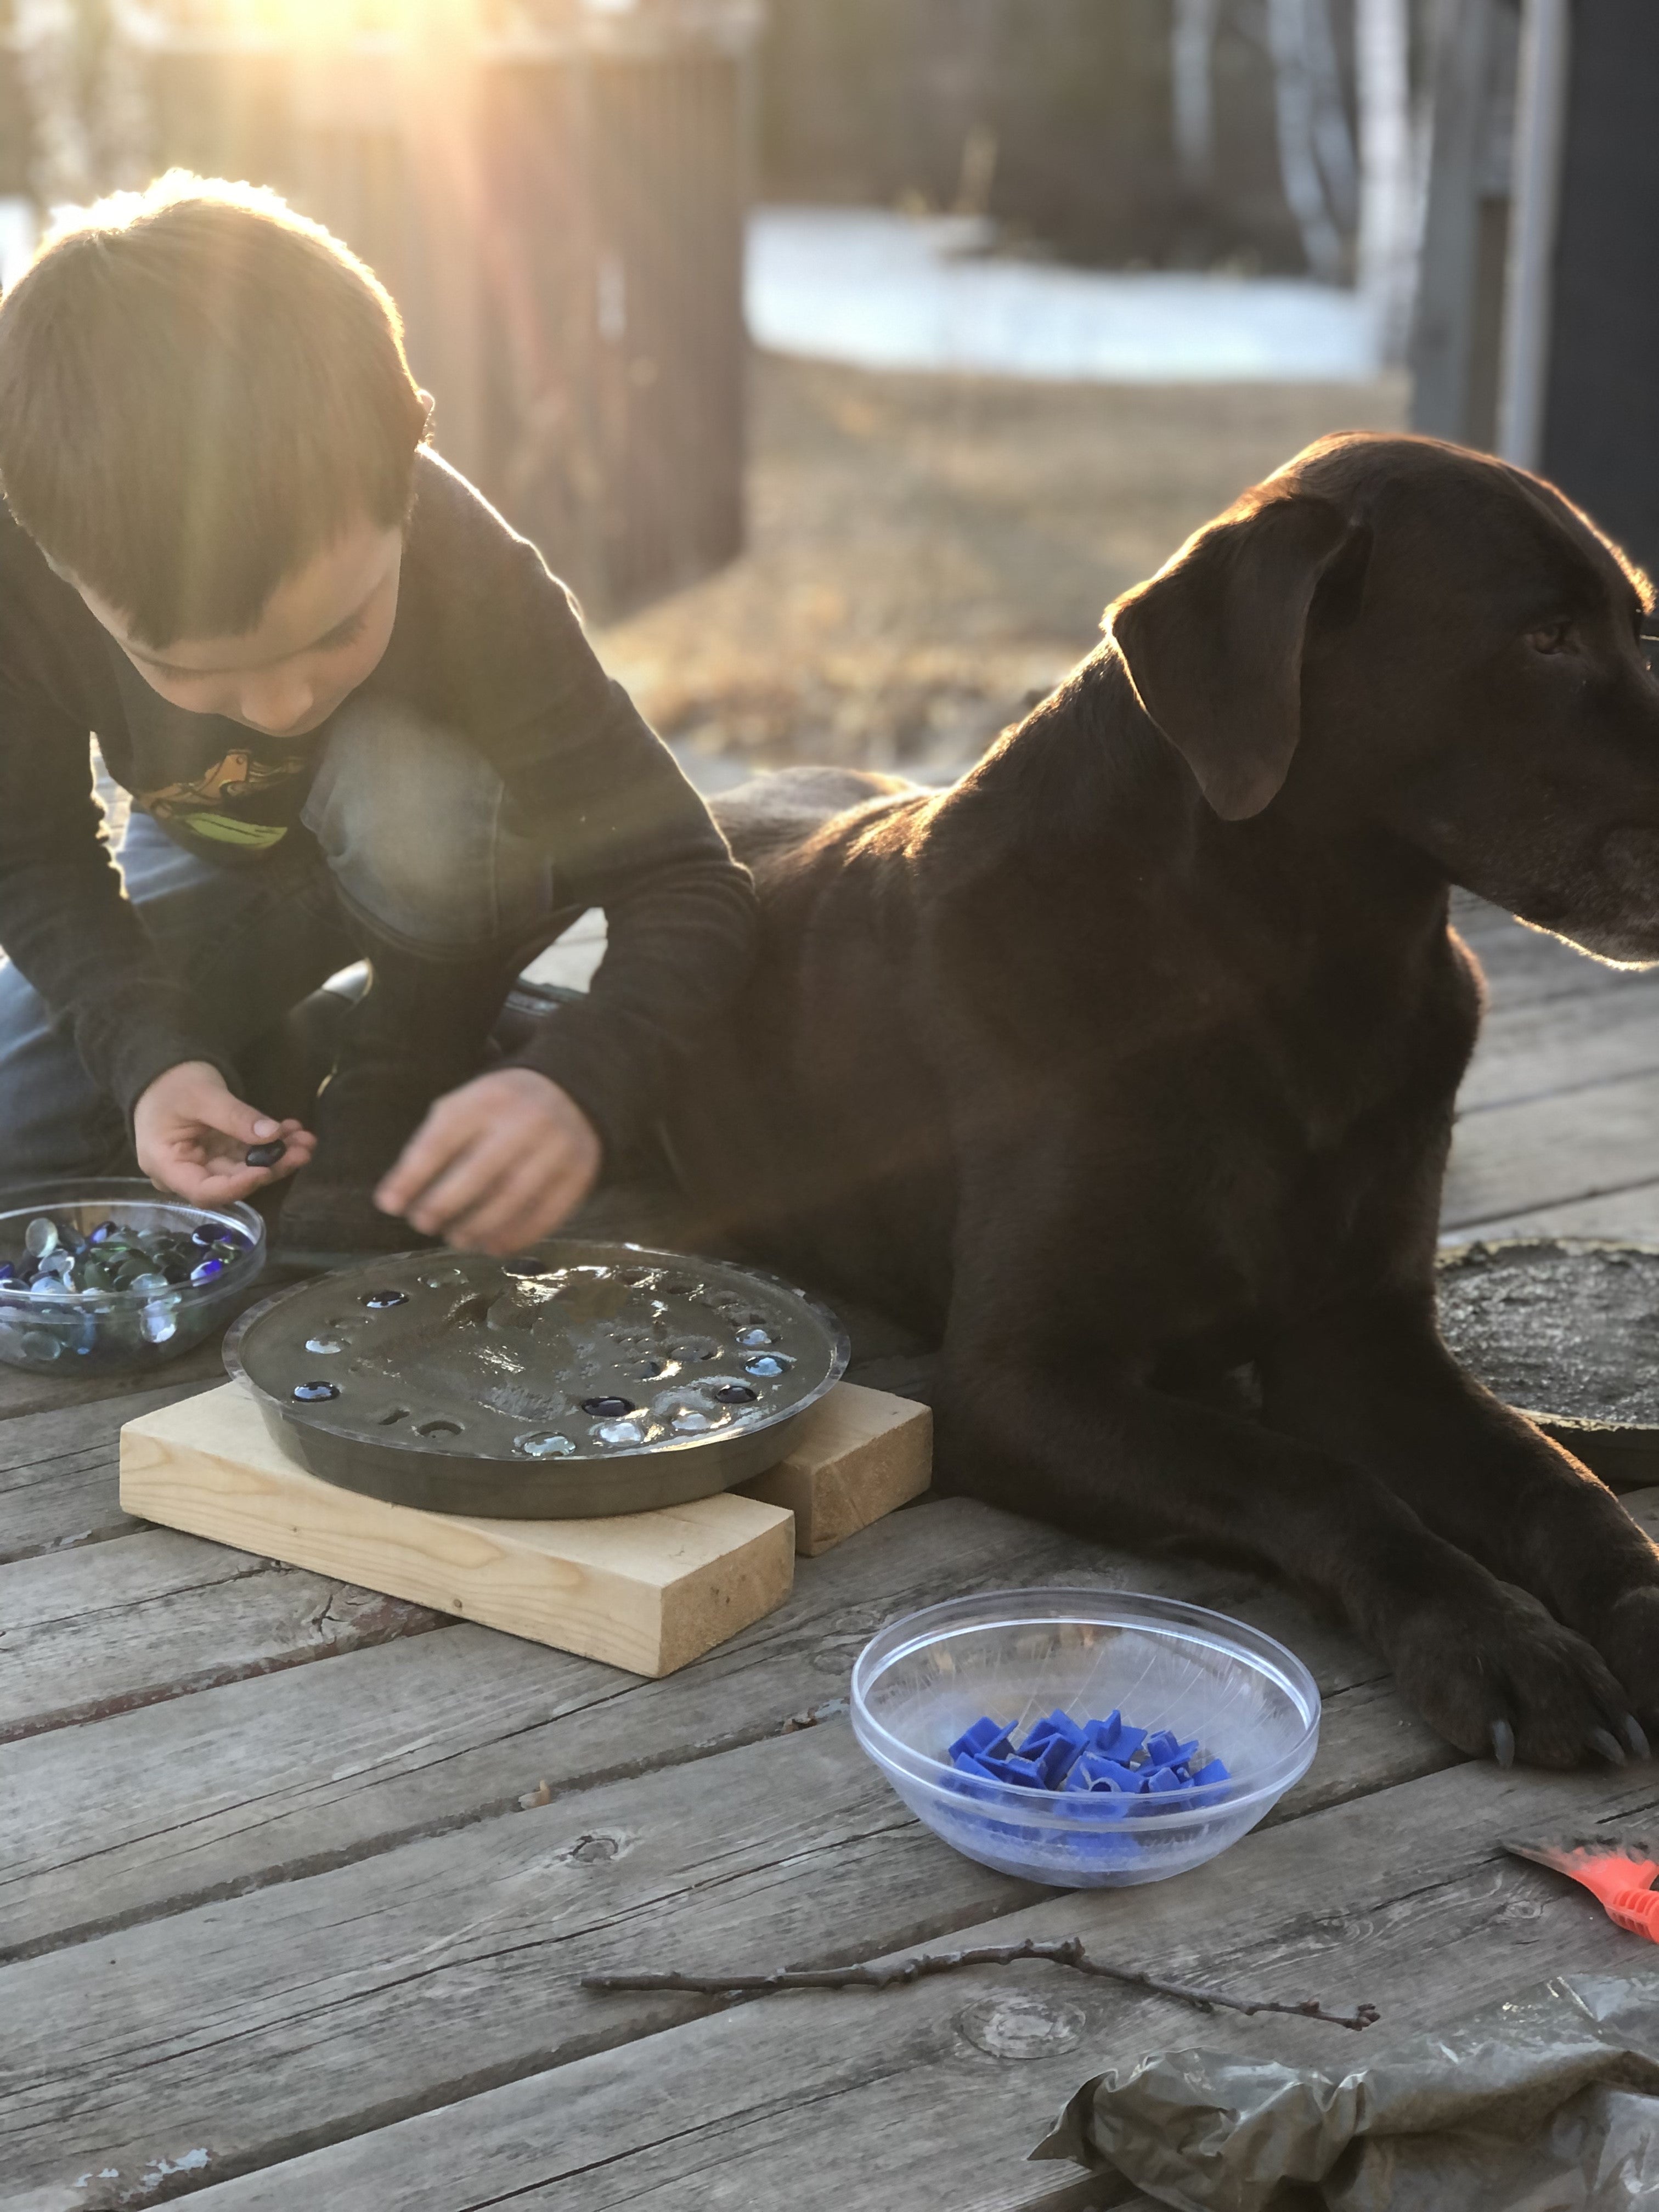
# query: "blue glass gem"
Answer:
x=379 y=1301
x=768 y=1365
x=7 y=1272
x=314 y=1393
x=207 y=1234
x=607 y=1409
x=103 y=1229
x=267 y=1155
x=236 y=1238
x=205 y=1273
x=734 y=1394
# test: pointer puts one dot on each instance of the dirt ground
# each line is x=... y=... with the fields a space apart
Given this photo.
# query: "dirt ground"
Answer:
x=927 y=553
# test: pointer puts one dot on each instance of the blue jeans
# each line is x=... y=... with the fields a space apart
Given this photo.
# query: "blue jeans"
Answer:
x=403 y=827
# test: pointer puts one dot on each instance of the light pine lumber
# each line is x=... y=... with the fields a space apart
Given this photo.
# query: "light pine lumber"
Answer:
x=264 y=1779
x=59 y=1474
x=646 y=1591
x=106 y=1627
x=931 y=2096
x=859 y=1453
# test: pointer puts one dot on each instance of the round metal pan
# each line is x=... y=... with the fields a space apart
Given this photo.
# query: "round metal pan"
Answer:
x=580 y=1379
x=1566 y=1330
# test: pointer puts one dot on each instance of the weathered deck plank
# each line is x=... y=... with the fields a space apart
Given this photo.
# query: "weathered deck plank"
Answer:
x=58 y=1472
x=931 y=2097
x=155 y=1615
x=1552 y=1151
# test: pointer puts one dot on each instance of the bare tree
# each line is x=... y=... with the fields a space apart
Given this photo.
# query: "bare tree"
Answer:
x=1390 y=200
x=1192 y=63
x=1300 y=91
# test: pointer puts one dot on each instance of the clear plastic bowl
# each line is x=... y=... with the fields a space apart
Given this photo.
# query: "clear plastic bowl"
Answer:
x=103 y=1332
x=1017 y=1654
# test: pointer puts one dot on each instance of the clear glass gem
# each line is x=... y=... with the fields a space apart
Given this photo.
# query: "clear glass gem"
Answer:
x=618 y=1432
x=41 y=1236
x=158 y=1323
x=543 y=1443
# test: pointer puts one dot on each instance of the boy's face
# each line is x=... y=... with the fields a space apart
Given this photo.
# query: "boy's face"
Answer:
x=322 y=632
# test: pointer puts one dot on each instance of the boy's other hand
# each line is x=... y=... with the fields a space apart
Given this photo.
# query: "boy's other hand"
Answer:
x=496 y=1165
x=193 y=1134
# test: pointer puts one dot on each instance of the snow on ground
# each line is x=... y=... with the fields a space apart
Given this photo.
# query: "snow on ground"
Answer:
x=883 y=290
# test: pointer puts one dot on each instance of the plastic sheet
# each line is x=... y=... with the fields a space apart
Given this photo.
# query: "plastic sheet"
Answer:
x=1545 y=2102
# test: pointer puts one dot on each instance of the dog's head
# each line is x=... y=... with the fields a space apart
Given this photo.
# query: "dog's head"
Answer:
x=1395 y=632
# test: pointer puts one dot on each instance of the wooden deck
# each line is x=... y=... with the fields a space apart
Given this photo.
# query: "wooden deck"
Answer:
x=282 y=1931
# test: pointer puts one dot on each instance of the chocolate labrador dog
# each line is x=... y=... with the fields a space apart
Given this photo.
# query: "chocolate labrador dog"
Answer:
x=1127 y=1064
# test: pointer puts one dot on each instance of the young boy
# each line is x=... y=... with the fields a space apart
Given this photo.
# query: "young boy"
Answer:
x=357 y=715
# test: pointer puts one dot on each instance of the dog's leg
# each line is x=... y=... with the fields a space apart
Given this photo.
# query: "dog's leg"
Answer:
x=1371 y=1381
x=1023 y=1424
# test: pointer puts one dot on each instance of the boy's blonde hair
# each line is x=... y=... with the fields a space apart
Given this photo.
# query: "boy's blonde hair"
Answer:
x=199 y=390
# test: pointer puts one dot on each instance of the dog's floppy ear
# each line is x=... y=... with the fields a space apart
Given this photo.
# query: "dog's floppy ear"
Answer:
x=1213 y=644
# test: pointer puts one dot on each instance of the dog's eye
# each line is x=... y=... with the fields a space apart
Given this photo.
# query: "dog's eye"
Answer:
x=1555 y=637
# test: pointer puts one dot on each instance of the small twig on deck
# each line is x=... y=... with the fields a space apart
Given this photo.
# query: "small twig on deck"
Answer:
x=1068 y=1952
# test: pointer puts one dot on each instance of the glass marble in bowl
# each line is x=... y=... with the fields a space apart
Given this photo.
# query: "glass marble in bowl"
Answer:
x=1017 y=1654
x=67 y=1327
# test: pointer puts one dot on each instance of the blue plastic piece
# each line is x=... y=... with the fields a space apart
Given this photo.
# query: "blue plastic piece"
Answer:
x=965 y=1762
x=984 y=1736
x=1103 y=1758
x=1016 y=1770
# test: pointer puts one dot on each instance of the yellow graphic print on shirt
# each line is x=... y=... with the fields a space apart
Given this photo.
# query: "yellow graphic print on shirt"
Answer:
x=194 y=804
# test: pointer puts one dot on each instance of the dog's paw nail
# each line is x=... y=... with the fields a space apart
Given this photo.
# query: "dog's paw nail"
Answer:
x=1636 y=1736
x=1608 y=1745
x=1503 y=1743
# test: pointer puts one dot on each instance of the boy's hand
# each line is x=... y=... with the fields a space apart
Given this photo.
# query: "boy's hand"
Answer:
x=496 y=1165
x=193 y=1134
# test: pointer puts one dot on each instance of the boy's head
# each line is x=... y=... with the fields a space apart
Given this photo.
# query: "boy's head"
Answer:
x=208 y=423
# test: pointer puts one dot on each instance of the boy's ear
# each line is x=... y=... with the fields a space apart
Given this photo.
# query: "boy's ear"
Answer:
x=1213 y=644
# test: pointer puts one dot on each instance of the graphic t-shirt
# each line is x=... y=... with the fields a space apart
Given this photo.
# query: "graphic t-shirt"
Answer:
x=486 y=645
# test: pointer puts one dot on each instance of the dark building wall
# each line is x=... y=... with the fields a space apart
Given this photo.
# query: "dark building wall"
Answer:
x=1599 y=444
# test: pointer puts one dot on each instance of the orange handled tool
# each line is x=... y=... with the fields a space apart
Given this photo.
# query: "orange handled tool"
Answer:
x=1621 y=1875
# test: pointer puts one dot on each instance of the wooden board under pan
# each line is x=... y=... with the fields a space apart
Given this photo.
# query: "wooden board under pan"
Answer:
x=1565 y=1329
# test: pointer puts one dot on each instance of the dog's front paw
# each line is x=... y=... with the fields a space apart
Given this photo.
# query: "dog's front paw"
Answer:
x=1628 y=1639
x=1505 y=1676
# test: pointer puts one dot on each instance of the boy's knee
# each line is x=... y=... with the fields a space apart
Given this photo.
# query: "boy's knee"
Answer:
x=409 y=820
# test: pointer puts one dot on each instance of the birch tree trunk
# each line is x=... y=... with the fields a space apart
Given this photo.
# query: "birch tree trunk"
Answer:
x=1294 y=108
x=1192 y=58
x=1390 y=198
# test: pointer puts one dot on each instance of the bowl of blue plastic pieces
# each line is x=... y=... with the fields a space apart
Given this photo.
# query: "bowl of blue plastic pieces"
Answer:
x=1086 y=1738
x=96 y=1277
